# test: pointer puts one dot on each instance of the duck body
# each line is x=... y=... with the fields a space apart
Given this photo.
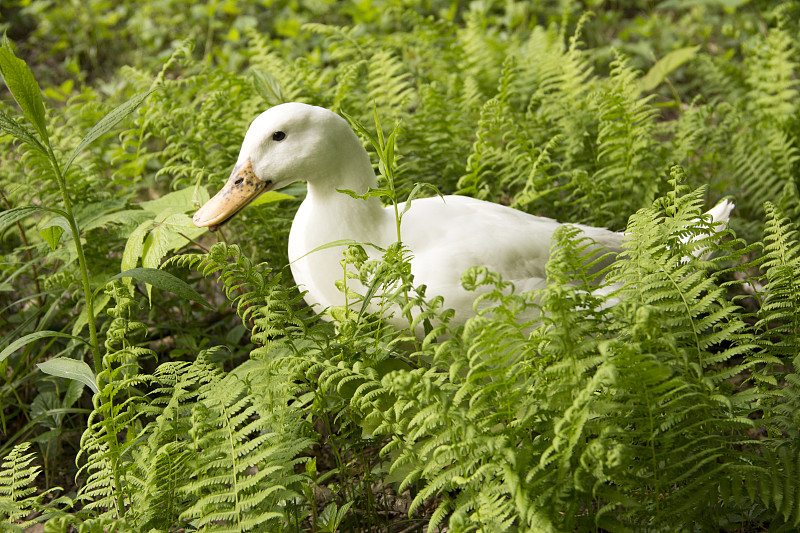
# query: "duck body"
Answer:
x=445 y=236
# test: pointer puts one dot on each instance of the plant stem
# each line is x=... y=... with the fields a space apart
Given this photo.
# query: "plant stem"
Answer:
x=41 y=298
x=76 y=237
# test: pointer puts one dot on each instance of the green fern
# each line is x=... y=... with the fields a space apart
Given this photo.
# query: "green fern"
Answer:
x=18 y=499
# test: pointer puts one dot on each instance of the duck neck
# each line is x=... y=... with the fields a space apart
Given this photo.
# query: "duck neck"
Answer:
x=355 y=218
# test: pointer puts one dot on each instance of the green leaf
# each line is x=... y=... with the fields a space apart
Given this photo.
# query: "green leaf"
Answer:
x=134 y=246
x=10 y=126
x=51 y=235
x=371 y=193
x=23 y=87
x=268 y=87
x=99 y=305
x=163 y=280
x=269 y=197
x=331 y=517
x=729 y=4
x=12 y=216
x=340 y=242
x=72 y=394
x=363 y=131
x=105 y=124
x=71 y=369
x=176 y=202
x=665 y=66
x=416 y=192
x=155 y=247
x=122 y=217
x=53 y=229
x=22 y=341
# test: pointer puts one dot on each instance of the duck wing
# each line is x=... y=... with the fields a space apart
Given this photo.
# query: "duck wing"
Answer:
x=448 y=236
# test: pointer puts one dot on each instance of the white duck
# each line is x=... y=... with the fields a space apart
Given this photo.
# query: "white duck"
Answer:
x=293 y=141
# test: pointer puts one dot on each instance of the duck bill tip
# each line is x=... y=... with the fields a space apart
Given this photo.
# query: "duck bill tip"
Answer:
x=241 y=188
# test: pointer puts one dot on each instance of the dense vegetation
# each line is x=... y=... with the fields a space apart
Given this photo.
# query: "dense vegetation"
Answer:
x=130 y=403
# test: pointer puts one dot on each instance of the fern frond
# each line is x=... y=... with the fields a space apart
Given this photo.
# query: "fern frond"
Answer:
x=242 y=453
x=17 y=495
x=625 y=144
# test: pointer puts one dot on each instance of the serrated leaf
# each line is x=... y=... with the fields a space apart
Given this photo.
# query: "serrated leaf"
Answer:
x=170 y=234
x=71 y=369
x=134 y=245
x=12 y=216
x=122 y=217
x=105 y=124
x=163 y=280
x=10 y=126
x=155 y=247
x=24 y=88
x=176 y=202
x=27 y=339
x=665 y=66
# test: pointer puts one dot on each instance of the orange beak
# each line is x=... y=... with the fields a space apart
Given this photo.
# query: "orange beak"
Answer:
x=242 y=188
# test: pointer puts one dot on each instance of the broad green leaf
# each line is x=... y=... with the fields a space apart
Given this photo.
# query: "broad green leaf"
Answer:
x=12 y=216
x=179 y=229
x=269 y=197
x=72 y=394
x=268 y=87
x=63 y=367
x=176 y=202
x=134 y=246
x=665 y=66
x=53 y=230
x=163 y=280
x=156 y=246
x=122 y=217
x=23 y=87
x=22 y=341
x=105 y=124
x=10 y=126
x=169 y=234
x=51 y=235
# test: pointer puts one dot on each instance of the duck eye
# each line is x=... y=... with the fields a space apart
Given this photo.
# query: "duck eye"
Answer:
x=278 y=136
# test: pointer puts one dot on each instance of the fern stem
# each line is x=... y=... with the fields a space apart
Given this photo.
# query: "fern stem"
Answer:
x=652 y=446
x=76 y=237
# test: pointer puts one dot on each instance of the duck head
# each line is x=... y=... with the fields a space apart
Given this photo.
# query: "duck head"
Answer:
x=287 y=143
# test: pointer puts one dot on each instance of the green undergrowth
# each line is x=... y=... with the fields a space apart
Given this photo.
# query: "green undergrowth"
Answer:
x=156 y=377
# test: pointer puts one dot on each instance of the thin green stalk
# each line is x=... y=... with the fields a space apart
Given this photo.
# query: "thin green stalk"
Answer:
x=397 y=217
x=111 y=431
x=87 y=290
x=42 y=298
